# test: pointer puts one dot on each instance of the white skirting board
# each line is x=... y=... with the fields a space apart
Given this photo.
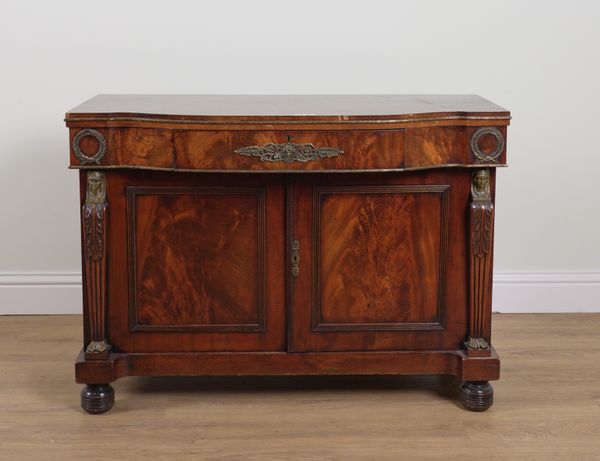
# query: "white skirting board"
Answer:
x=546 y=292
x=40 y=293
x=514 y=292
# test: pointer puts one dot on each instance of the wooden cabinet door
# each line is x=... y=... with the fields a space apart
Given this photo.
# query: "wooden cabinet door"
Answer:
x=381 y=261
x=196 y=262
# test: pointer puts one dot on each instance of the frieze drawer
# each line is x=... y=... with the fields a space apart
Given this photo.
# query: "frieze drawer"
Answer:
x=122 y=147
x=289 y=150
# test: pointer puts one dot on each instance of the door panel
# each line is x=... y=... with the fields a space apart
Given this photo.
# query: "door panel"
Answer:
x=198 y=258
x=375 y=247
x=374 y=257
x=205 y=258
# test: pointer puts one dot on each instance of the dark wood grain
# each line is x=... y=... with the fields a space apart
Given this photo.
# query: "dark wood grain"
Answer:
x=266 y=108
x=97 y=398
x=481 y=248
x=203 y=302
x=430 y=316
x=94 y=221
x=374 y=248
x=212 y=150
x=477 y=395
x=368 y=255
x=436 y=146
x=144 y=147
x=215 y=150
x=199 y=258
x=440 y=146
x=133 y=147
x=278 y=363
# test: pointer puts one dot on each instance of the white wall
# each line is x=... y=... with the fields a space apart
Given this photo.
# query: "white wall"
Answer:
x=540 y=59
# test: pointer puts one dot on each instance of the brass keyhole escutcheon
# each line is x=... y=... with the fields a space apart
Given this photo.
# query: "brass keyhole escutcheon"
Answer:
x=295 y=258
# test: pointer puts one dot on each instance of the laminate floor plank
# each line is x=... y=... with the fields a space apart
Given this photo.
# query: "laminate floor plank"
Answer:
x=547 y=405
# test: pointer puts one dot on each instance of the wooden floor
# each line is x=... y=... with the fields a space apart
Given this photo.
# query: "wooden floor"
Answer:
x=547 y=405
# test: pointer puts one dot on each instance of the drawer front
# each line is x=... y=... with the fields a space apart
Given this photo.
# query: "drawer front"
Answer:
x=289 y=150
x=251 y=150
x=123 y=147
x=455 y=145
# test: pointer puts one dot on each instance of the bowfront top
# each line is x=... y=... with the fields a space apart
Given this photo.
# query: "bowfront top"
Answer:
x=287 y=133
x=265 y=109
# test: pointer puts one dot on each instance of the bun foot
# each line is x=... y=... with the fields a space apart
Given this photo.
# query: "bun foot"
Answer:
x=97 y=398
x=476 y=395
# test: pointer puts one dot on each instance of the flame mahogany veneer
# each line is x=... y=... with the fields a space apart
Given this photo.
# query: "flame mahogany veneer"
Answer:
x=287 y=235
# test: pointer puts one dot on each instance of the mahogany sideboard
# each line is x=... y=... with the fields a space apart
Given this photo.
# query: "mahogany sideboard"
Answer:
x=287 y=235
